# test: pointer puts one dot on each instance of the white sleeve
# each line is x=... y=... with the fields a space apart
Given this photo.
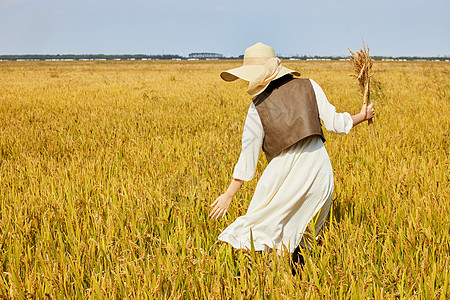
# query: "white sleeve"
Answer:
x=252 y=139
x=333 y=121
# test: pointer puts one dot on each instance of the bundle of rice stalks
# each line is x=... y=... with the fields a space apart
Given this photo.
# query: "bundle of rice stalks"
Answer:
x=363 y=71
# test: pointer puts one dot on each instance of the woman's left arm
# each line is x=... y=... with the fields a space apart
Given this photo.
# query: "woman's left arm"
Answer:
x=223 y=201
x=252 y=138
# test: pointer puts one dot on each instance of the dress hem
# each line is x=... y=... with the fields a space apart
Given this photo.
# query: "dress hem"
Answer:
x=259 y=246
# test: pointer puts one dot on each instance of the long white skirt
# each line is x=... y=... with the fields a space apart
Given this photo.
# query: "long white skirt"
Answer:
x=296 y=187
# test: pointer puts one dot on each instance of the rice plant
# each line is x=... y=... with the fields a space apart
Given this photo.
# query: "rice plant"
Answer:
x=107 y=170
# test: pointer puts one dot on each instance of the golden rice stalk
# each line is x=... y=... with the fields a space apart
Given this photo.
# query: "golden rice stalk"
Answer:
x=363 y=71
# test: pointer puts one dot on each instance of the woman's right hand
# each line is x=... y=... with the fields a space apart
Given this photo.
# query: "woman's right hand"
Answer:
x=220 y=206
x=367 y=112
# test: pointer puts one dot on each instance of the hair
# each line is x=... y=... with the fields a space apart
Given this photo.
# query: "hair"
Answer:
x=274 y=84
x=278 y=82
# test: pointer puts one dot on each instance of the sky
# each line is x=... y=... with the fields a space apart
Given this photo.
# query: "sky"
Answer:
x=291 y=27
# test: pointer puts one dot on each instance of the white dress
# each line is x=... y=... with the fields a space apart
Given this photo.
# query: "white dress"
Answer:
x=296 y=186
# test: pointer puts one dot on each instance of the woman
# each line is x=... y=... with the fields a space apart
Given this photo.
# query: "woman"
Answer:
x=297 y=184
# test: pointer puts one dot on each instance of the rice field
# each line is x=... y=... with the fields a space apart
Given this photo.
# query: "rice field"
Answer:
x=107 y=170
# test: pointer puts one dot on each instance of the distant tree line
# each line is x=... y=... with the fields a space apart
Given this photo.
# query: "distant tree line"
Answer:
x=409 y=58
x=87 y=56
x=206 y=55
x=192 y=55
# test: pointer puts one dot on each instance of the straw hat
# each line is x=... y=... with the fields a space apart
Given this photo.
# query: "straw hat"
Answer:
x=260 y=67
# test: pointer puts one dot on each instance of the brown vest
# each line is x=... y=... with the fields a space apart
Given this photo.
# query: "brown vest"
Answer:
x=288 y=112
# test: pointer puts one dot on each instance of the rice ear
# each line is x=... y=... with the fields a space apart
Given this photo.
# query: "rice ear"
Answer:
x=362 y=63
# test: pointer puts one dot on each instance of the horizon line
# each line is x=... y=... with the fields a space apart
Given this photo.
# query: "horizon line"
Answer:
x=141 y=55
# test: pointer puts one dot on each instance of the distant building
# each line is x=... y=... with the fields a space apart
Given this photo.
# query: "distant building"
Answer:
x=205 y=55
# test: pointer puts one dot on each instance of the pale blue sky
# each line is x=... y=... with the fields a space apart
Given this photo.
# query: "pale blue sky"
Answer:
x=314 y=27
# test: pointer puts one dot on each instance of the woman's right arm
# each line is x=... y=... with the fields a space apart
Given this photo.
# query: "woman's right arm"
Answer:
x=366 y=113
x=338 y=122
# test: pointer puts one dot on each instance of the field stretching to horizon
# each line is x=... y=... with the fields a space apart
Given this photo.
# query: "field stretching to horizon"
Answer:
x=108 y=169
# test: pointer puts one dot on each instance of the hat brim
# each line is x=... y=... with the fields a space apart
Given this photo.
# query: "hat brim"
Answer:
x=249 y=72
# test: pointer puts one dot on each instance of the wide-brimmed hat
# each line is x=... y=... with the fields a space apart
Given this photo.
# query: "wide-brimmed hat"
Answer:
x=260 y=67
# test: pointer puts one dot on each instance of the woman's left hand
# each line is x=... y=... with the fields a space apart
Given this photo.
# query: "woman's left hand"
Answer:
x=220 y=206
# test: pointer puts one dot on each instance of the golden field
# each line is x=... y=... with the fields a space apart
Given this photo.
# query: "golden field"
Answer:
x=107 y=170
